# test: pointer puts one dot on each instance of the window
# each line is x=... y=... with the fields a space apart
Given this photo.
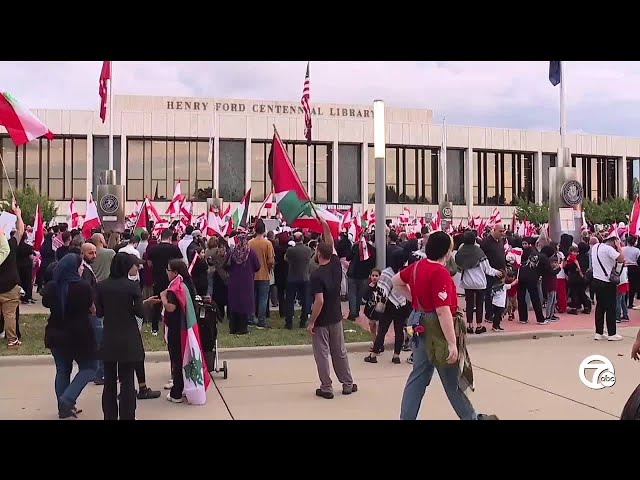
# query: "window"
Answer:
x=599 y=176
x=455 y=176
x=411 y=175
x=350 y=168
x=321 y=158
x=55 y=168
x=500 y=178
x=155 y=165
x=232 y=171
x=633 y=177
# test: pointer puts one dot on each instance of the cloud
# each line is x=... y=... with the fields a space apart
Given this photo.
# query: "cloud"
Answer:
x=602 y=97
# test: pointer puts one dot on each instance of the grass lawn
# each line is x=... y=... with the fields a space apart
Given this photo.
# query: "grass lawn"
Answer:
x=32 y=329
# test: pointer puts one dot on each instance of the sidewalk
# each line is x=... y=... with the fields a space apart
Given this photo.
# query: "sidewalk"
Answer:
x=523 y=379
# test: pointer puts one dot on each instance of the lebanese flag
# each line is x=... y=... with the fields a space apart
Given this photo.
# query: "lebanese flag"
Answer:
x=186 y=209
x=136 y=211
x=176 y=200
x=364 y=249
x=105 y=74
x=267 y=204
x=73 y=213
x=293 y=200
x=214 y=224
x=38 y=227
x=91 y=219
x=436 y=222
x=634 y=223
x=404 y=216
x=22 y=125
x=152 y=212
x=194 y=367
x=495 y=218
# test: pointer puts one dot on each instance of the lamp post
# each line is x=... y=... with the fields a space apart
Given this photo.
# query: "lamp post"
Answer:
x=381 y=198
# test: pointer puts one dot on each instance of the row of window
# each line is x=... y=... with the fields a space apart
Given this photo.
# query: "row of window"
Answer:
x=58 y=169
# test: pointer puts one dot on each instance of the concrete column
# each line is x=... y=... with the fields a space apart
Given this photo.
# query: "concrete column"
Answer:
x=89 y=166
x=364 y=194
x=469 y=180
x=247 y=163
x=123 y=162
x=216 y=154
x=537 y=162
x=622 y=177
x=335 y=173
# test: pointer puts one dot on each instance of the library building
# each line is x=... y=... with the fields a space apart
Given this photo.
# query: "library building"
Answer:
x=160 y=140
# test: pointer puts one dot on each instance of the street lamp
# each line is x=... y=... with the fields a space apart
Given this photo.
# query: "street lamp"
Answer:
x=379 y=153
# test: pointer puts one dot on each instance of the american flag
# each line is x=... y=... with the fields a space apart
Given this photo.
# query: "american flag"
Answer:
x=307 y=109
x=105 y=75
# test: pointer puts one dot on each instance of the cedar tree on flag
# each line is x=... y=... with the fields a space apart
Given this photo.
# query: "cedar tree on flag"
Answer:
x=91 y=219
x=105 y=75
x=22 y=125
x=292 y=199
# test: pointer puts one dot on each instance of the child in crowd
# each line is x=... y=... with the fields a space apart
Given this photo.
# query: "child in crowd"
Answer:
x=372 y=297
x=512 y=294
x=622 y=297
x=499 y=300
x=550 y=288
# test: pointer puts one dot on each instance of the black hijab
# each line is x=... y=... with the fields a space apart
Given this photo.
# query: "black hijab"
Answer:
x=120 y=265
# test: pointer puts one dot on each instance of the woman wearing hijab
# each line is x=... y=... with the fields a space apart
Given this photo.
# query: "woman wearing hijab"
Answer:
x=242 y=264
x=69 y=332
x=119 y=302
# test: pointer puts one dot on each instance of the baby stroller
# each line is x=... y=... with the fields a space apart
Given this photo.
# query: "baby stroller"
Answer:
x=208 y=318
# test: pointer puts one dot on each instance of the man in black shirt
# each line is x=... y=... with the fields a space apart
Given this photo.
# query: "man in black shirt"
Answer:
x=325 y=324
x=493 y=248
x=158 y=258
x=10 y=284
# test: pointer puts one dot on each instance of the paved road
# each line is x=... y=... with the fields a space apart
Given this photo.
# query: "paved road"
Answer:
x=516 y=379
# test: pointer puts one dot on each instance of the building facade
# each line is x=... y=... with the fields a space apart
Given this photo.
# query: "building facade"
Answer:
x=160 y=140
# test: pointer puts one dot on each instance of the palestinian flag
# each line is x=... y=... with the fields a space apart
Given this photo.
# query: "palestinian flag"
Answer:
x=22 y=125
x=241 y=213
x=194 y=367
x=293 y=201
x=142 y=224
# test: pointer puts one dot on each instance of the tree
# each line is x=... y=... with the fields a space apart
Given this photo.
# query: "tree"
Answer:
x=532 y=211
x=610 y=211
x=27 y=200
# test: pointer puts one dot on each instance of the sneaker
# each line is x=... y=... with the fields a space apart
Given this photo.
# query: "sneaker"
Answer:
x=545 y=322
x=98 y=381
x=481 y=329
x=614 y=338
x=14 y=343
x=396 y=360
x=349 y=391
x=2 y=334
x=497 y=329
x=482 y=416
x=410 y=359
x=147 y=394
x=406 y=348
x=174 y=400
x=168 y=385
x=154 y=333
x=371 y=359
x=599 y=336
x=323 y=394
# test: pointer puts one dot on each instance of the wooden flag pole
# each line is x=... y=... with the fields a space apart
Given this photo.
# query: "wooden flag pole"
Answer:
x=8 y=179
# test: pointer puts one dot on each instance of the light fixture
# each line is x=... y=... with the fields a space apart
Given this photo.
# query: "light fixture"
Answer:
x=378 y=129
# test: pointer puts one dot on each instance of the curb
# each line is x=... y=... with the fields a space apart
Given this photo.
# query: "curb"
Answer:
x=299 y=350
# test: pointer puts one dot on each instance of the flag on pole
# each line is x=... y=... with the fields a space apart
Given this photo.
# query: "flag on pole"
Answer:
x=241 y=214
x=91 y=219
x=142 y=223
x=555 y=72
x=22 y=125
x=105 y=74
x=305 y=101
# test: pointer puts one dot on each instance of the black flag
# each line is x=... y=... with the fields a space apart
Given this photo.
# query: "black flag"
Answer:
x=555 y=72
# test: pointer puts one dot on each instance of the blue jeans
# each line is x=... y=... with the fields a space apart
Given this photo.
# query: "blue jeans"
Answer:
x=98 y=329
x=621 y=310
x=420 y=378
x=68 y=391
x=262 y=298
x=552 y=298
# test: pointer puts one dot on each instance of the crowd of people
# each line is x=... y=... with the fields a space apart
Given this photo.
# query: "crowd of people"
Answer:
x=101 y=291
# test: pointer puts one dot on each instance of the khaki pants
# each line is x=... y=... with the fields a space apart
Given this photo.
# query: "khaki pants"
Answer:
x=9 y=302
x=330 y=341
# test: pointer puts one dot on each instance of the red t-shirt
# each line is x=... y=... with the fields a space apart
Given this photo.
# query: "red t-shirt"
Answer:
x=433 y=286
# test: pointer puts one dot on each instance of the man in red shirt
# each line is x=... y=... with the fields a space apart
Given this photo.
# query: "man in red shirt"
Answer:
x=429 y=285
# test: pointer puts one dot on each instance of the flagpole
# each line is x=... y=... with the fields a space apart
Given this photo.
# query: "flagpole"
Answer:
x=7 y=175
x=443 y=159
x=111 y=116
x=563 y=116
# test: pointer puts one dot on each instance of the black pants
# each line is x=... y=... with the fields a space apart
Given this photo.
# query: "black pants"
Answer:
x=488 y=299
x=127 y=402
x=140 y=373
x=174 y=344
x=534 y=294
x=157 y=308
x=578 y=295
x=634 y=283
x=298 y=289
x=26 y=281
x=474 y=299
x=282 y=305
x=497 y=316
x=397 y=316
x=238 y=323
x=605 y=305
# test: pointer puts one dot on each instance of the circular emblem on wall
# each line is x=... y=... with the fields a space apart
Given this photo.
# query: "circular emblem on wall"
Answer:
x=109 y=204
x=572 y=193
x=446 y=212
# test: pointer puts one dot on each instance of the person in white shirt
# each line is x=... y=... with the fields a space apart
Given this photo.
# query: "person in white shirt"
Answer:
x=184 y=243
x=499 y=301
x=605 y=258
x=132 y=249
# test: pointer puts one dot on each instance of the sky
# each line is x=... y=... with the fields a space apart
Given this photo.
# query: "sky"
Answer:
x=602 y=97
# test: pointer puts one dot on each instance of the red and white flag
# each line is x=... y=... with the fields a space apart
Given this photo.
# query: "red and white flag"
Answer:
x=105 y=75
x=73 y=214
x=91 y=219
x=176 y=200
x=495 y=218
x=38 y=227
x=306 y=105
